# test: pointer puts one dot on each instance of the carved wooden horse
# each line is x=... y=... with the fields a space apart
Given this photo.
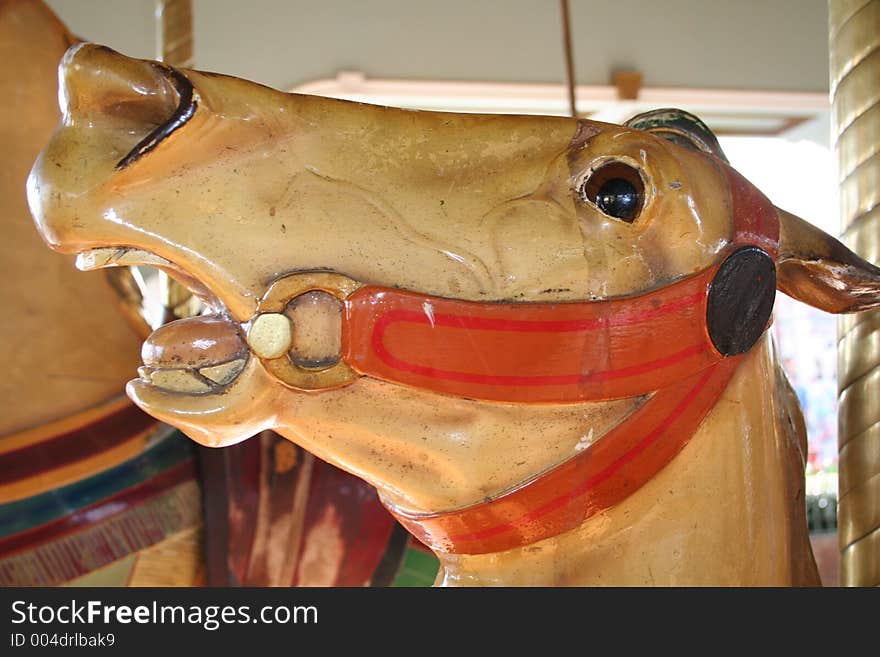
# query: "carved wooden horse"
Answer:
x=542 y=339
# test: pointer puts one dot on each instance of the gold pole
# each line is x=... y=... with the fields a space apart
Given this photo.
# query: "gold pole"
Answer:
x=570 y=81
x=175 y=46
x=854 y=39
x=150 y=298
x=175 y=32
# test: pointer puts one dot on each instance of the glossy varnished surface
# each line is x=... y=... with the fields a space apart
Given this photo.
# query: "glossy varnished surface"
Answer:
x=855 y=69
x=438 y=203
x=255 y=187
x=719 y=514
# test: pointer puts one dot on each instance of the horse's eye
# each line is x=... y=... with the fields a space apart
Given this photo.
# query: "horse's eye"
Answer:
x=616 y=189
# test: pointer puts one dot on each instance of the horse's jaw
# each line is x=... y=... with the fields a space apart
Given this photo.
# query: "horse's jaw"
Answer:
x=694 y=524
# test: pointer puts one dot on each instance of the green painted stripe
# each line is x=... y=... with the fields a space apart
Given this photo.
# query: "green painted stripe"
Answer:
x=22 y=515
x=417 y=570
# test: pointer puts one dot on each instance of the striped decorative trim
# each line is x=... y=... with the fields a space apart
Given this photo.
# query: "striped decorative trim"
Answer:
x=165 y=452
x=49 y=430
x=74 y=554
x=75 y=453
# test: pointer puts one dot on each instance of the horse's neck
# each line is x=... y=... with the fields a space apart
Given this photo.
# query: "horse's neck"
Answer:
x=728 y=510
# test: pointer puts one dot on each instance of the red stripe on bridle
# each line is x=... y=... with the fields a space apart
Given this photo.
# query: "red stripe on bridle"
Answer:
x=654 y=345
x=531 y=352
x=590 y=482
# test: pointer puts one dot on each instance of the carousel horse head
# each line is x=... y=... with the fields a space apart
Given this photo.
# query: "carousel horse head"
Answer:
x=455 y=307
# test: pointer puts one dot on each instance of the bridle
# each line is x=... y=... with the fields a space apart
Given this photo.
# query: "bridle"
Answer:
x=677 y=346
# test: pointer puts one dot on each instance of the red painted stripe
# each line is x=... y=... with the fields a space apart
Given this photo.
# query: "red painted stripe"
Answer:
x=598 y=478
x=99 y=511
x=388 y=335
x=539 y=326
x=605 y=474
x=754 y=216
x=58 y=561
x=379 y=348
x=74 y=445
x=565 y=496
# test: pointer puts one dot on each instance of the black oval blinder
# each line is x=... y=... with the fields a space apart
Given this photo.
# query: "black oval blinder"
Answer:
x=740 y=300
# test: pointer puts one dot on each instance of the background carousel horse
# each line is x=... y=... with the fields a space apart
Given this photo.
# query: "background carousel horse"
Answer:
x=91 y=489
x=542 y=339
x=94 y=491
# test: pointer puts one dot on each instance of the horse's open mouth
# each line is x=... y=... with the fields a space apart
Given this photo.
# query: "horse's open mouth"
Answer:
x=207 y=354
x=194 y=356
x=124 y=256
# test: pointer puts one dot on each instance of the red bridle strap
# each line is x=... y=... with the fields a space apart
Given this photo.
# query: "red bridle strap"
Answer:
x=655 y=344
x=531 y=352
x=547 y=352
x=595 y=479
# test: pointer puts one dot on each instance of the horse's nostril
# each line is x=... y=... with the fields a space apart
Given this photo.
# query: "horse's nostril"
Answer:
x=140 y=102
x=98 y=82
x=184 y=110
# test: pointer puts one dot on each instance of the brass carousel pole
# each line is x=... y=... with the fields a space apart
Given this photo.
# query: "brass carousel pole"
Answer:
x=854 y=37
x=149 y=300
x=175 y=32
x=175 y=47
x=570 y=81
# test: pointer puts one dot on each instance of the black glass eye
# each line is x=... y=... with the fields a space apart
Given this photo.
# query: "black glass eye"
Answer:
x=616 y=189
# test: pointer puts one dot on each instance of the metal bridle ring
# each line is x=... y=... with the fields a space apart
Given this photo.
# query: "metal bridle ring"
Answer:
x=273 y=304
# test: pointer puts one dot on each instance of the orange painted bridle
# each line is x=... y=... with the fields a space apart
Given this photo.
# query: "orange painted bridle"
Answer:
x=656 y=345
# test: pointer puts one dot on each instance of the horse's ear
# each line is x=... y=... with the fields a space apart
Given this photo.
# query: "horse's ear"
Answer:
x=815 y=268
x=679 y=127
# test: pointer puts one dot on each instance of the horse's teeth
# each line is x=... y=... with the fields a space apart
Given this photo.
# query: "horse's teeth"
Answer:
x=223 y=374
x=179 y=381
x=116 y=257
x=138 y=257
x=270 y=335
x=95 y=258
